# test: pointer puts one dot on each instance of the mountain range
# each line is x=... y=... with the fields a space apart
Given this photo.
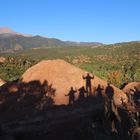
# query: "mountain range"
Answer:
x=11 y=41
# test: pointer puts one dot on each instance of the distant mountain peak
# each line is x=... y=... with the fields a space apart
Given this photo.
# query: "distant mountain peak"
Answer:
x=10 y=40
x=5 y=30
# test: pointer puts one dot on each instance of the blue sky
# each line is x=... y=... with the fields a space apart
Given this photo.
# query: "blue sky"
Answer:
x=106 y=21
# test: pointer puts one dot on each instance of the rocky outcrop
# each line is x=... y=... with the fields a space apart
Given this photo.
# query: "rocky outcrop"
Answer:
x=130 y=87
x=2 y=60
x=2 y=82
x=62 y=75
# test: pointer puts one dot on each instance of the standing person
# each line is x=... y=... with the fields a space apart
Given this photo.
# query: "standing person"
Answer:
x=82 y=92
x=88 y=83
x=99 y=90
x=109 y=91
x=71 y=95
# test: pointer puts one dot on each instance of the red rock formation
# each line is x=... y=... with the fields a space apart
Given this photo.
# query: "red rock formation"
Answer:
x=2 y=60
x=62 y=76
x=129 y=88
x=2 y=82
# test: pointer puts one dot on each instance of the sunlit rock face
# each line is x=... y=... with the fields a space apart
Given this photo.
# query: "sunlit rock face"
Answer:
x=131 y=87
x=2 y=82
x=2 y=60
x=62 y=76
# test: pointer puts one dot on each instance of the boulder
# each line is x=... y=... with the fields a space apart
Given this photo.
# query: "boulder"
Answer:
x=130 y=87
x=62 y=75
x=2 y=60
x=2 y=82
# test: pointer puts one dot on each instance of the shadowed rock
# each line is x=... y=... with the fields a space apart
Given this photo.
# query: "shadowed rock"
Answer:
x=62 y=75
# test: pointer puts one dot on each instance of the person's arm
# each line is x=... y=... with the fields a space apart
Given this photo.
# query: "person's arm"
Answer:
x=84 y=77
x=92 y=77
x=84 y=90
x=75 y=91
x=67 y=94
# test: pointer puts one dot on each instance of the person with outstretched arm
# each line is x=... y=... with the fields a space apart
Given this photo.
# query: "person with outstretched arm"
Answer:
x=88 y=79
x=71 y=95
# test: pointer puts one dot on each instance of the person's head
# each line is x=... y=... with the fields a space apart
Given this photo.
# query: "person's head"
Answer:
x=108 y=84
x=99 y=86
x=71 y=88
x=87 y=74
x=82 y=88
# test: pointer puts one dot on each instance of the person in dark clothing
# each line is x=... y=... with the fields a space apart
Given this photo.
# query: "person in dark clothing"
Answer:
x=136 y=96
x=82 y=92
x=109 y=91
x=88 y=83
x=71 y=95
x=99 y=91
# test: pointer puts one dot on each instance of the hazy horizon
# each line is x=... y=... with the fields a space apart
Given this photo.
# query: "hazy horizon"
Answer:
x=104 y=21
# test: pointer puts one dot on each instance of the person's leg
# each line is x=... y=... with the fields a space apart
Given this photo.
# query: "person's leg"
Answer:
x=69 y=101
x=87 y=90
